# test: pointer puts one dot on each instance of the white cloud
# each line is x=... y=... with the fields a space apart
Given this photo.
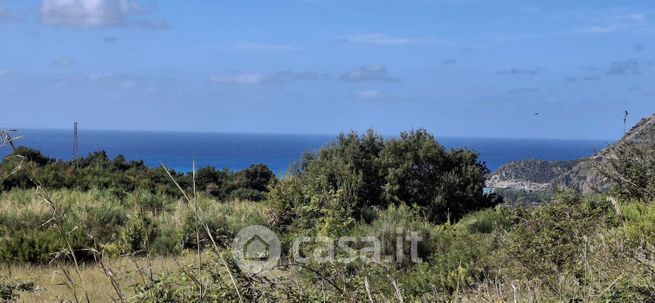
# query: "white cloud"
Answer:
x=380 y=39
x=371 y=94
x=113 y=80
x=154 y=83
x=242 y=78
x=62 y=62
x=520 y=71
x=374 y=72
x=613 y=22
x=98 y=78
x=289 y=76
x=238 y=78
x=97 y=13
x=252 y=47
x=591 y=22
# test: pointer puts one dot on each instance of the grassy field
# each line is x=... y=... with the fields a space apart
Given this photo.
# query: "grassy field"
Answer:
x=590 y=248
x=123 y=230
x=129 y=271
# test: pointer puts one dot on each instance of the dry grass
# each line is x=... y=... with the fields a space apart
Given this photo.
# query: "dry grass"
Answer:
x=127 y=271
x=19 y=202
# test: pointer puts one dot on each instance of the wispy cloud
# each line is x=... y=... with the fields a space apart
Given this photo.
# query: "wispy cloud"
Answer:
x=250 y=78
x=111 y=39
x=523 y=90
x=289 y=76
x=253 y=47
x=151 y=84
x=98 y=13
x=97 y=78
x=638 y=47
x=381 y=39
x=589 y=68
x=587 y=22
x=113 y=80
x=371 y=94
x=627 y=67
x=520 y=72
x=7 y=15
x=62 y=62
x=4 y=73
x=583 y=78
x=612 y=21
x=615 y=68
x=374 y=72
x=238 y=78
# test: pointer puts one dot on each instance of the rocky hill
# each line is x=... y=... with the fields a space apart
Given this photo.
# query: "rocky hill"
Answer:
x=582 y=175
x=530 y=175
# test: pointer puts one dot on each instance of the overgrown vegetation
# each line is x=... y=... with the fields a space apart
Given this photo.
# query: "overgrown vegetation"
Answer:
x=576 y=248
x=119 y=176
x=345 y=183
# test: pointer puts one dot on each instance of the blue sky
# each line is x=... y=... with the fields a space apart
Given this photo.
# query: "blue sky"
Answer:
x=476 y=68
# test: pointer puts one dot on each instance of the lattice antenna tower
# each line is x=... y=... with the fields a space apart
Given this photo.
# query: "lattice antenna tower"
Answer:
x=76 y=145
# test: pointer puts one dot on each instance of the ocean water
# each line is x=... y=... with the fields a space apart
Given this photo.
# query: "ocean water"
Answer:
x=237 y=151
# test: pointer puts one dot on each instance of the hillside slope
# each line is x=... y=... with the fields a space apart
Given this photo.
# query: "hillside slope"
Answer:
x=581 y=175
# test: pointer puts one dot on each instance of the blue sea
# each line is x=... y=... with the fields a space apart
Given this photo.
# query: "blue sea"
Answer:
x=237 y=151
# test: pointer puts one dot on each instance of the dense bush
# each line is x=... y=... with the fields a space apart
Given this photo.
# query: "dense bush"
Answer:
x=631 y=168
x=419 y=171
x=339 y=185
x=30 y=246
x=401 y=221
x=140 y=223
x=98 y=171
x=557 y=235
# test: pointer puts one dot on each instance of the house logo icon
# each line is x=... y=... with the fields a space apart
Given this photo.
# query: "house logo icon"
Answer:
x=256 y=249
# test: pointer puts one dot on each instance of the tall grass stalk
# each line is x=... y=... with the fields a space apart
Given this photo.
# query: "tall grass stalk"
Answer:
x=206 y=227
x=56 y=220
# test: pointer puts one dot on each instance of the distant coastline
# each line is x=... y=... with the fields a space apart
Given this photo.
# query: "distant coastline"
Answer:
x=236 y=151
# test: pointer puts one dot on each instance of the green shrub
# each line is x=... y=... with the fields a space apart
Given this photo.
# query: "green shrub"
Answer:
x=488 y=220
x=168 y=242
x=103 y=222
x=192 y=231
x=120 y=177
x=40 y=246
x=136 y=236
x=342 y=182
x=629 y=291
x=30 y=246
x=146 y=201
x=550 y=240
x=632 y=171
x=247 y=194
x=402 y=221
x=419 y=171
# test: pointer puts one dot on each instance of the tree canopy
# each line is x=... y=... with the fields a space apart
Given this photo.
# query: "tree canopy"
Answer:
x=355 y=174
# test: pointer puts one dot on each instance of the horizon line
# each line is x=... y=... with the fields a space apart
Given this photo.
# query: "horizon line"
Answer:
x=608 y=140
